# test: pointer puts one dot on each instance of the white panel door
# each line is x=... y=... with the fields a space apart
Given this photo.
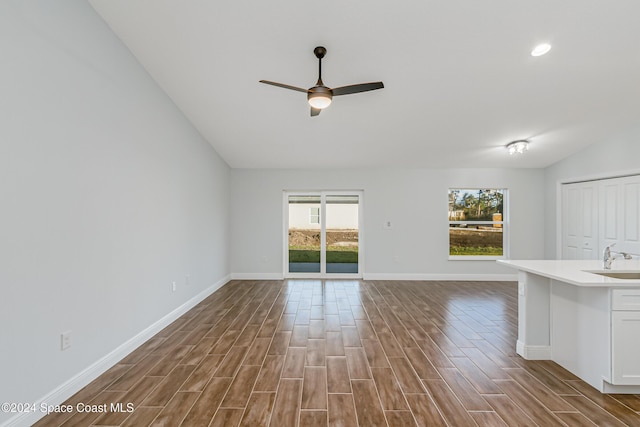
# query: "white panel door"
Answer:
x=630 y=233
x=596 y=214
x=620 y=214
x=580 y=221
x=570 y=208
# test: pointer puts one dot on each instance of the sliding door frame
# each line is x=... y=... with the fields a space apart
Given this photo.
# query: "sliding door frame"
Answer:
x=323 y=235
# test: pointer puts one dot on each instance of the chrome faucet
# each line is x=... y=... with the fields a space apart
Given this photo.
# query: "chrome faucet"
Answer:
x=608 y=256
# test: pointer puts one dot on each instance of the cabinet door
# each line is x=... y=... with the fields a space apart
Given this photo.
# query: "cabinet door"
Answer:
x=625 y=349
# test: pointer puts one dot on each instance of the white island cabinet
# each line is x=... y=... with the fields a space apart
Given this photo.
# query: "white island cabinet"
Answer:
x=586 y=322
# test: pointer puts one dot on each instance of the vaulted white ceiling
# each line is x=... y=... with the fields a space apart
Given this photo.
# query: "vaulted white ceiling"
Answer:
x=460 y=82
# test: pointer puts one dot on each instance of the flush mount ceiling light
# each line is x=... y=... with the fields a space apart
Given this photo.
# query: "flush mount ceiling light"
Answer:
x=518 y=147
x=541 y=49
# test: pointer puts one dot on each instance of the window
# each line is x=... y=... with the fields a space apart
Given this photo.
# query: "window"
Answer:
x=314 y=215
x=477 y=223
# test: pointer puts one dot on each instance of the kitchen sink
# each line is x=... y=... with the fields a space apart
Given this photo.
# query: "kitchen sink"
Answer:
x=628 y=275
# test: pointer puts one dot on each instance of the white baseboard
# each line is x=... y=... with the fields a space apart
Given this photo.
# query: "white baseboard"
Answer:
x=394 y=276
x=443 y=277
x=82 y=379
x=257 y=276
x=619 y=389
x=533 y=352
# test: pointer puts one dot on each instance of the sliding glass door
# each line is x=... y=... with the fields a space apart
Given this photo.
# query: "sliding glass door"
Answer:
x=304 y=234
x=342 y=233
x=323 y=234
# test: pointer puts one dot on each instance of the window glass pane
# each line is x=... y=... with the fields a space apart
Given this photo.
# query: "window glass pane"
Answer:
x=476 y=204
x=304 y=235
x=342 y=233
x=475 y=240
x=476 y=222
x=343 y=199
x=304 y=200
x=314 y=215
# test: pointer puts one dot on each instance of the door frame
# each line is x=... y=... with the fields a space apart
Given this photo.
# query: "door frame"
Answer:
x=323 y=238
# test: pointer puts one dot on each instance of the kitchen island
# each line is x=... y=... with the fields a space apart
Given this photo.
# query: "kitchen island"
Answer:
x=586 y=322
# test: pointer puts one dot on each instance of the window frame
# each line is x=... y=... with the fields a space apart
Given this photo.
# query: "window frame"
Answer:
x=313 y=215
x=504 y=225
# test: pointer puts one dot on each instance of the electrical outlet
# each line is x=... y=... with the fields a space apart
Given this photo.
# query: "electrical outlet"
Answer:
x=65 y=340
x=173 y=286
x=387 y=225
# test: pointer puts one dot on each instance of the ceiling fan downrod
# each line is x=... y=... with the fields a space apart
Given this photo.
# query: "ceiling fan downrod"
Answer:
x=320 y=52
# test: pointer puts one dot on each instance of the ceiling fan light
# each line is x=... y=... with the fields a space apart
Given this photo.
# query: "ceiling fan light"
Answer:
x=518 y=147
x=319 y=101
x=319 y=96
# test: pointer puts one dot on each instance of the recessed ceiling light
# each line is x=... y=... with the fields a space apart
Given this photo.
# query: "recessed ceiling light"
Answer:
x=541 y=49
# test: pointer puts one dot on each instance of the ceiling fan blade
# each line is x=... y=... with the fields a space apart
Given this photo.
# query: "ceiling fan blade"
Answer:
x=299 y=89
x=315 y=112
x=362 y=87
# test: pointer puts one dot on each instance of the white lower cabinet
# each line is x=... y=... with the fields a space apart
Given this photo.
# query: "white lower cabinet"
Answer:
x=625 y=348
x=625 y=336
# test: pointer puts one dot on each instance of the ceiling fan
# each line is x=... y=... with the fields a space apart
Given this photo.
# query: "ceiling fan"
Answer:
x=319 y=96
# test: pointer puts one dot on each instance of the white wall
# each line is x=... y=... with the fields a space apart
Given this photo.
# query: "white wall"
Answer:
x=414 y=200
x=107 y=196
x=617 y=156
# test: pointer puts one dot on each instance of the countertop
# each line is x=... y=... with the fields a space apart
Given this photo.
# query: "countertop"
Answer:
x=573 y=271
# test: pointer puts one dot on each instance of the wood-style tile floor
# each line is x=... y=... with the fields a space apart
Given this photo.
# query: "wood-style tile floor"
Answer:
x=346 y=353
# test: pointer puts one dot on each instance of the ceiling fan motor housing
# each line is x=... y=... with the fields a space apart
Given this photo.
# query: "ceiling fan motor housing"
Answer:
x=320 y=91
